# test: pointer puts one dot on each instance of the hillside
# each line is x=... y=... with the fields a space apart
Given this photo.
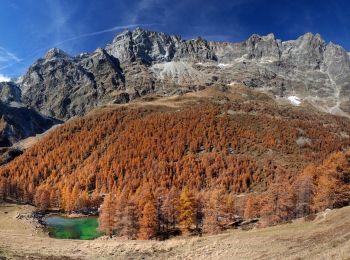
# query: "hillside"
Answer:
x=208 y=147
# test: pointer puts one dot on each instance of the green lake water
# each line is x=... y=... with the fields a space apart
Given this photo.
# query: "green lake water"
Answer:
x=73 y=228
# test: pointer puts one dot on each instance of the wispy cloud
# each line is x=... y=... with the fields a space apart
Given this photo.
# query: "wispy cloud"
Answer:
x=89 y=34
x=141 y=6
x=12 y=5
x=59 y=15
x=113 y=29
x=9 y=59
x=6 y=56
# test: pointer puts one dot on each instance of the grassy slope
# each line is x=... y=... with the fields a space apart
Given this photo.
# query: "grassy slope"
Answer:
x=327 y=237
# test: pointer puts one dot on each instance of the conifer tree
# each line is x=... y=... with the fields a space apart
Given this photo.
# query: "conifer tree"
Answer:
x=74 y=197
x=107 y=215
x=130 y=221
x=42 y=199
x=3 y=188
x=148 y=222
x=53 y=199
x=120 y=206
x=303 y=190
x=213 y=211
x=187 y=211
x=250 y=209
x=170 y=208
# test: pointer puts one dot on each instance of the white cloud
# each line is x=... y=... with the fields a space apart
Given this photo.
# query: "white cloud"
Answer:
x=3 y=78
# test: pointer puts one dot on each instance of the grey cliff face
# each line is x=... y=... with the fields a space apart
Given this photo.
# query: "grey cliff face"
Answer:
x=305 y=52
x=140 y=62
x=337 y=67
x=62 y=86
x=17 y=123
x=9 y=92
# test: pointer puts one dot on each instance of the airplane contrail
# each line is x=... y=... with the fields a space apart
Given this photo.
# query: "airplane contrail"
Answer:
x=84 y=35
x=115 y=28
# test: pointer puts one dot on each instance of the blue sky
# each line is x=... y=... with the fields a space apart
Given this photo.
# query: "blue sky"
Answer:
x=28 y=28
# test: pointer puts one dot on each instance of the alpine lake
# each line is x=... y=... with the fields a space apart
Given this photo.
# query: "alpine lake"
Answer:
x=84 y=228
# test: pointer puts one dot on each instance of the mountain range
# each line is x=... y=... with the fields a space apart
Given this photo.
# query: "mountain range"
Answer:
x=139 y=62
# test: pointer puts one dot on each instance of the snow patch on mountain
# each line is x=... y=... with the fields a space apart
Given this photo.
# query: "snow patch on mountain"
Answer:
x=224 y=65
x=233 y=83
x=294 y=100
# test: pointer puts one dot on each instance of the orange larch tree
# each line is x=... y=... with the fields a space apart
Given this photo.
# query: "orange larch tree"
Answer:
x=148 y=222
x=107 y=215
x=187 y=211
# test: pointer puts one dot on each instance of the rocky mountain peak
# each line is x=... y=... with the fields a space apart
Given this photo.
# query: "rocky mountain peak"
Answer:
x=100 y=51
x=333 y=46
x=120 y=36
x=312 y=40
x=139 y=30
x=56 y=53
x=258 y=47
x=140 y=44
x=270 y=36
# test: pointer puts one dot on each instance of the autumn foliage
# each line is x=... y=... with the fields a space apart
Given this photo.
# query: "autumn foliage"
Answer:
x=197 y=168
x=107 y=219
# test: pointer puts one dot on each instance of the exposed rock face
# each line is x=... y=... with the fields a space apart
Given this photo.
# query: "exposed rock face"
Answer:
x=17 y=123
x=7 y=154
x=157 y=47
x=140 y=62
x=62 y=86
x=10 y=92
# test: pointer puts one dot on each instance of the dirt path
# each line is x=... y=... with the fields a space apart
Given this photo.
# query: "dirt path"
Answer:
x=327 y=237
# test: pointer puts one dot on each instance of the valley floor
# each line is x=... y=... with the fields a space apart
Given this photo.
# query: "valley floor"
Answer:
x=327 y=237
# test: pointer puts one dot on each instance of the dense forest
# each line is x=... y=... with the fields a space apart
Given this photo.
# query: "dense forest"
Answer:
x=163 y=171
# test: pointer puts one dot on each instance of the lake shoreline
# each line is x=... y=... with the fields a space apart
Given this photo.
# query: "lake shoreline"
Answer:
x=326 y=237
x=69 y=215
x=37 y=219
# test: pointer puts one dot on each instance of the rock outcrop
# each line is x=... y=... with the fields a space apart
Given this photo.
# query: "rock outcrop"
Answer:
x=10 y=92
x=17 y=123
x=62 y=86
x=7 y=154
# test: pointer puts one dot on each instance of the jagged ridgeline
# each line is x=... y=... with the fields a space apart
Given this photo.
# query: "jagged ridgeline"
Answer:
x=198 y=157
x=141 y=62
